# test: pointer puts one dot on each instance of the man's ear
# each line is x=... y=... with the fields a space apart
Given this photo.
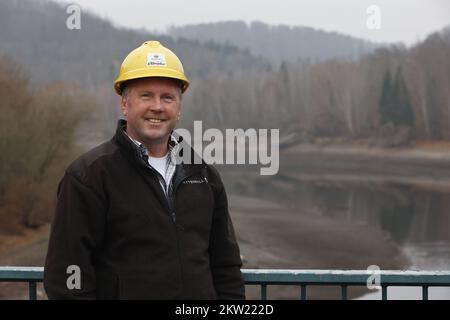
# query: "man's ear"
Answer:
x=123 y=105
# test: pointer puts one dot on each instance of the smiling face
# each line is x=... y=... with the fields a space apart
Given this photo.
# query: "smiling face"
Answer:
x=152 y=107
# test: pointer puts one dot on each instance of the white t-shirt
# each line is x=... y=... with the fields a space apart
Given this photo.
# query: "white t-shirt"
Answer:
x=160 y=165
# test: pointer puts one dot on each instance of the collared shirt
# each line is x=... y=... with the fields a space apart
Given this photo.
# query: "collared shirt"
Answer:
x=166 y=180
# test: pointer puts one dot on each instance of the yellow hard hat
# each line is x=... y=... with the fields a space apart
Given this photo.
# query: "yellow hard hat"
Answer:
x=151 y=59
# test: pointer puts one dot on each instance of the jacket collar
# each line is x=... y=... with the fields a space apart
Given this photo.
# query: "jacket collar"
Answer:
x=131 y=150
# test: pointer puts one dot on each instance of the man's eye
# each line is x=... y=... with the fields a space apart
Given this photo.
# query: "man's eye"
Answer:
x=168 y=98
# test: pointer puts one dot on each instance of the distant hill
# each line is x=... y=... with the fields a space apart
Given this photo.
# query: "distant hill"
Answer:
x=251 y=76
x=34 y=32
x=277 y=43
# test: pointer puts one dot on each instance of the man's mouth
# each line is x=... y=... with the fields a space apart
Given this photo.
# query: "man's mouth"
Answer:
x=154 y=120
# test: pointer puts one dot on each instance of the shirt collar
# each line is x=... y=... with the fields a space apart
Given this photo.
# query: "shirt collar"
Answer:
x=173 y=144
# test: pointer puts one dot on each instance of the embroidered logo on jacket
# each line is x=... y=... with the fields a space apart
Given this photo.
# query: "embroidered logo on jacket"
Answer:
x=195 y=181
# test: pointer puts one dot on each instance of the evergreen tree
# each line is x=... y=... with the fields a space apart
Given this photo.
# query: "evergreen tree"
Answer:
x=395 y=105
x=403 y=113
x=386 y=100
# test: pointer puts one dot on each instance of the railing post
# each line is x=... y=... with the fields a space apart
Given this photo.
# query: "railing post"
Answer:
x=303 y=292
x=344 y=292
x=425 y=292
x=32 y=290
x=384 y=292
x=263 y=291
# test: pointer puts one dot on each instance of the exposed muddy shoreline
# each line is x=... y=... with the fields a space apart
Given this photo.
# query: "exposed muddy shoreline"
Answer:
x=418 y=167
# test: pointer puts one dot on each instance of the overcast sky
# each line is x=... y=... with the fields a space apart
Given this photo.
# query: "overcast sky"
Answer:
x=400 y=20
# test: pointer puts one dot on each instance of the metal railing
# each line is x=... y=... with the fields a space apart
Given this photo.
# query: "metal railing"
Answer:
x=302 y=278
x=32 y=275
x=346 y=278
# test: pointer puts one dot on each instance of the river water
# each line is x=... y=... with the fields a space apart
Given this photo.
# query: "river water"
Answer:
x=413 y=218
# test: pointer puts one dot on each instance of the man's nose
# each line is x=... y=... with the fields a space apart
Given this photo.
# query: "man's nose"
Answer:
x=156 y=105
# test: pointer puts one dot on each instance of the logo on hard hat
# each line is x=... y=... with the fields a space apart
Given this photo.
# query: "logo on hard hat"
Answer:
x=156 y=59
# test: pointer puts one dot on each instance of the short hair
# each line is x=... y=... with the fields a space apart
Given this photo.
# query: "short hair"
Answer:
x=124 y=88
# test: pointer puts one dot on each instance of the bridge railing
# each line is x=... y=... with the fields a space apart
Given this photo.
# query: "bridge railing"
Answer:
x=302 y=278
x=346 y=278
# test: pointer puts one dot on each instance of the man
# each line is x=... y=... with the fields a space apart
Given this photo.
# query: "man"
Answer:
x=130 y=221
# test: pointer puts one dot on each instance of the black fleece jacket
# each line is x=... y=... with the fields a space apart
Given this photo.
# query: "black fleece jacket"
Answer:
x=130 y=241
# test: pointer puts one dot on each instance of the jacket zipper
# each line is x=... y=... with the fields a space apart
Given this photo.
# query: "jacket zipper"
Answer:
x=178 y=228
x=173 y=194
x=171 y=202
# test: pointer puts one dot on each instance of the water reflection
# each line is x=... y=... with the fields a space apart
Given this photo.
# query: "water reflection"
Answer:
x=409 y=214
x=415 y=219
